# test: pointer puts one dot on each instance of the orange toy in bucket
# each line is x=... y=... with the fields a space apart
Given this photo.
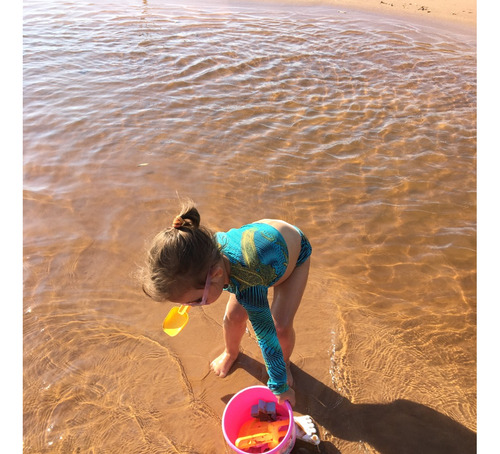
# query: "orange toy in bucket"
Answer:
x=256 y=435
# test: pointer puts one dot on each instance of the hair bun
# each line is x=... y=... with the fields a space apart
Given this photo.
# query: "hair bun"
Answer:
x=178 y=222
x=188 y=217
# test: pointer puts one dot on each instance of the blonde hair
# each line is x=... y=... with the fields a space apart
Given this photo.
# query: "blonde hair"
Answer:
x=180 y=256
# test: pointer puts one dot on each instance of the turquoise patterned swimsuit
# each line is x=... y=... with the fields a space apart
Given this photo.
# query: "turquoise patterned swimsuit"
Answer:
x=259 y=258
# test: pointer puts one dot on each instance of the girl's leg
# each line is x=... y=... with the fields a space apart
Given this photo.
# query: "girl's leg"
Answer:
x=286 y=301
x=234 y=326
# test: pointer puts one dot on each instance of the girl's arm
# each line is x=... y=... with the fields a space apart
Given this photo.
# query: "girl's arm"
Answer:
x=262 y=322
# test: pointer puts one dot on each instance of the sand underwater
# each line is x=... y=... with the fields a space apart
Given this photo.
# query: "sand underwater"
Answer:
x=356 y=126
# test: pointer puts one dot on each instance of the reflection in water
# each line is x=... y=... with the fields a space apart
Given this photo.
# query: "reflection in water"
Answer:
x=360 y=131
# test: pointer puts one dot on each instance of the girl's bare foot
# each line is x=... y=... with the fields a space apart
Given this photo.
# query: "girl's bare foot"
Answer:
x=222 y=364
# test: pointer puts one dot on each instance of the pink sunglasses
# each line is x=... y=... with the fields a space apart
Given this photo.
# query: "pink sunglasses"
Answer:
x=206 y=289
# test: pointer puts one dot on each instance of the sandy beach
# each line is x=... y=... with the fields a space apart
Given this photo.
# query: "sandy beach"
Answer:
x=448 y=12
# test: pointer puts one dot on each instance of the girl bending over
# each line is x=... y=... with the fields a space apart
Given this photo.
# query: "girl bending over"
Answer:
x=190 y=265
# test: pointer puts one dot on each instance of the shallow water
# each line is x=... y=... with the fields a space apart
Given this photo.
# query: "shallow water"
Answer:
x=360 y=129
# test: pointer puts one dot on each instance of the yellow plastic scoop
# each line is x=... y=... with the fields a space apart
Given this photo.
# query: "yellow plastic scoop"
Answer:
x=176 y=320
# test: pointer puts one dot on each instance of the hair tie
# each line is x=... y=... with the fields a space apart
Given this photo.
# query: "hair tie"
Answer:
x=178 y=222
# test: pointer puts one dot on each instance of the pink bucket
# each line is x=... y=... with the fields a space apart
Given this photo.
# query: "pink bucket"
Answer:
x=238 y=411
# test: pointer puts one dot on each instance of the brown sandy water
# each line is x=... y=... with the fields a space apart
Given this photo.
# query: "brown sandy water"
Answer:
x=359 y=129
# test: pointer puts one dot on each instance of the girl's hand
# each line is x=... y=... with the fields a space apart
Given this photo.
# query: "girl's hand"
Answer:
x=287 y=395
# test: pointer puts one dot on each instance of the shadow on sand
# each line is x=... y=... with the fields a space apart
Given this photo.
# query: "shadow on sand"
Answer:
x=399 y=427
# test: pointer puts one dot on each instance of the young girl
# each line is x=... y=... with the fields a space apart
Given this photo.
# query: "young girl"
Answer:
x=188 y=264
